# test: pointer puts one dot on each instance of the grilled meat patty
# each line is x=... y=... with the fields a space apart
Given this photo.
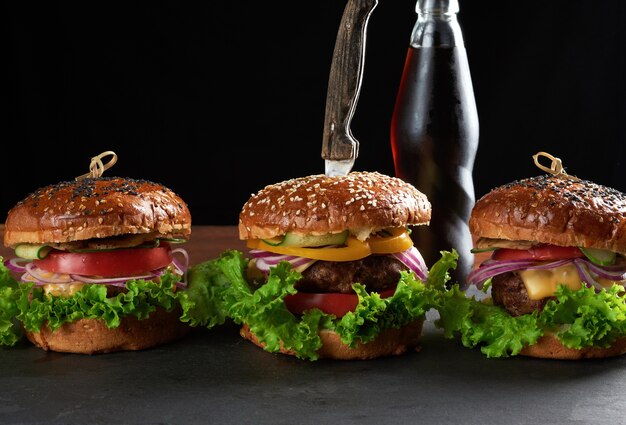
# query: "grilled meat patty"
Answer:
x=508 y=291
x=376 y=272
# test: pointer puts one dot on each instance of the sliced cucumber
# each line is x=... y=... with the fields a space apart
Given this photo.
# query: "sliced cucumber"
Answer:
x=173 y=240
x=292 y=239
x=601 y=257
x=479 y=250
x=32 y=251
x=146 y=244
x=274 y=241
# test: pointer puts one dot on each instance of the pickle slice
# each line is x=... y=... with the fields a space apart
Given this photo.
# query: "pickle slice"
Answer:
x=31 y=251
x=601 y=257
x=293 y=239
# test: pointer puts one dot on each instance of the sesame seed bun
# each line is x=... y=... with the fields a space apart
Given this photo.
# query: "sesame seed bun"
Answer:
x=362 y=202
x=552 y=210
x=97 y=208
x=390 y=342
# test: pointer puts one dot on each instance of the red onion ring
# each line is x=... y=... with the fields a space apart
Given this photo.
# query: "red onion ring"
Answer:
x=413 y=259
x=13 y=265
x=606 y=272
x=259 y=253
x=585 y=276
x=491 y=268
x=35 y=272
x=264 y=260
x=264 y=263
x=182 y=267
x=486 y=270
x=115 y=281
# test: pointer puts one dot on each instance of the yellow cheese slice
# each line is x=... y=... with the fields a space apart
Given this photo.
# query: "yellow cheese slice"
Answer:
x=399 y=241
x=543 y=283
x=354 y=250
x=62 y=289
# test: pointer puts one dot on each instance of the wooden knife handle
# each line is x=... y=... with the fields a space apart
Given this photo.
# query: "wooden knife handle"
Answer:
x=344 y=84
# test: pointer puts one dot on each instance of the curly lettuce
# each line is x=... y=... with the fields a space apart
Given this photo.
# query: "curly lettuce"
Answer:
x=578 y=318
x=218 y=290
x=11 y=295
x=262 y=308
x=24 y=305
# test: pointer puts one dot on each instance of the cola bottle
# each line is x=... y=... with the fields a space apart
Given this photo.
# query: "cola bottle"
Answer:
x=434 y=131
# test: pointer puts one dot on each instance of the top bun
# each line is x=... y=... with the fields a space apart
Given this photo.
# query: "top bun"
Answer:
x=97 y=208
x=362 y=202
x=553 y=210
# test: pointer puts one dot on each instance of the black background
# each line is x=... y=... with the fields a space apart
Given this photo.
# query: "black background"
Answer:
x=217 y=99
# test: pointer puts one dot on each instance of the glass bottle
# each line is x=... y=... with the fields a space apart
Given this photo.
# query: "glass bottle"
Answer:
x=434 y=131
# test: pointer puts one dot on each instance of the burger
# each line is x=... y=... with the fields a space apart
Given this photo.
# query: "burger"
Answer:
x=332 y=271
x=97 y=266
x=554 y=275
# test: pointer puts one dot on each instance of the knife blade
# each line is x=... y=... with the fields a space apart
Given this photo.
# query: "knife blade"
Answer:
x=339 y=147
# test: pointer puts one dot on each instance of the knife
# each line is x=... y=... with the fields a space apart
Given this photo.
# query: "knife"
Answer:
x=339 y=147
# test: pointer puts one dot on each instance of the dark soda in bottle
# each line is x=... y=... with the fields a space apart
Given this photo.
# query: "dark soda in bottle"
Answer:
x=434 y=131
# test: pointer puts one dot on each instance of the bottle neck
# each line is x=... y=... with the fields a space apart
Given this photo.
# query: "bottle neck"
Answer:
x=437 y=24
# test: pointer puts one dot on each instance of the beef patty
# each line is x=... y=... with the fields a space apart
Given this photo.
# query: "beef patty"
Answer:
x=508 y=290
x=375 y=272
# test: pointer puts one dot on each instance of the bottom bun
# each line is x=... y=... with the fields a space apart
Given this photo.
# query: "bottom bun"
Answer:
x=549 y=347
x=92 y=336
x=389 y=342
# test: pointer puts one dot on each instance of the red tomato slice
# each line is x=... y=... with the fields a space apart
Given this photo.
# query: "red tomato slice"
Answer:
x=328 y=302
x=115 y=263
x=538 y=253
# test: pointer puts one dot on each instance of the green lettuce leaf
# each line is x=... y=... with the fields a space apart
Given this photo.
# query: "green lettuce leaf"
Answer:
x=411 y=300
x=91 y=302
x=478 y=323
x=262 y=308
x=584 y=318
x=438 y=275
x=26 y=303
x=200 y=301
x=10 y=294
x=579 y=318
x=373 y=314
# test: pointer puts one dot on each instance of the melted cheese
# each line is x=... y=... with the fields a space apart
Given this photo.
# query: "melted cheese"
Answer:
x=62 y=289
x=543 y=283
x=56 y=289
